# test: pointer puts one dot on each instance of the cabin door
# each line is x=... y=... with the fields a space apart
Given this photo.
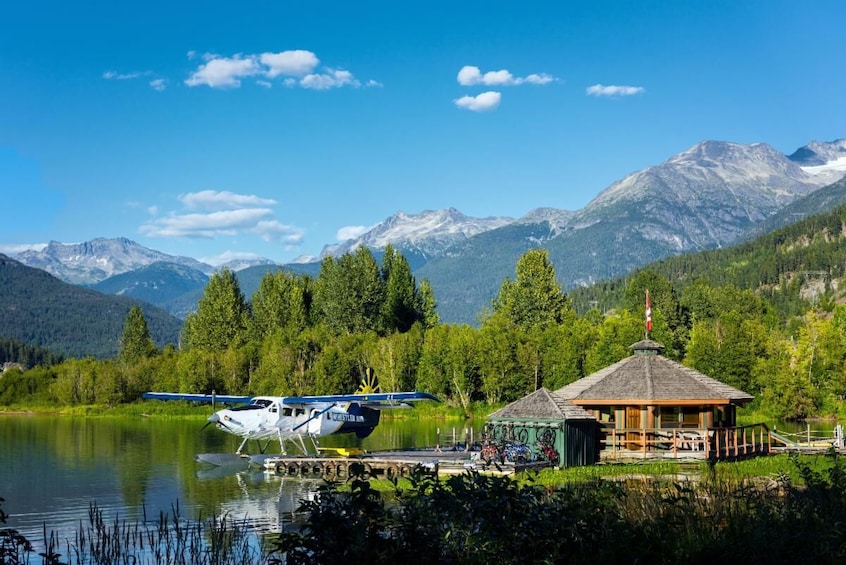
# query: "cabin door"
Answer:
x=633 y=427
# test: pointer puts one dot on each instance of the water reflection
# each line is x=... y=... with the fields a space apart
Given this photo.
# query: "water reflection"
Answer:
x=54 y=468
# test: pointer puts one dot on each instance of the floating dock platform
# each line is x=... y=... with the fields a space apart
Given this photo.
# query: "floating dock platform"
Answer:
x=392 y=464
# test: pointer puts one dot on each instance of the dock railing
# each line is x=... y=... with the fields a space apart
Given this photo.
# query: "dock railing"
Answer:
x=701 y=443
x=811 y=439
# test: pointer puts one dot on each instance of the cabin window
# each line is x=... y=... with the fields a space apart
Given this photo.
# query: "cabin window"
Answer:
x=607 y=414
x=274 y=408
x=679 y=417
x=299 y=411
x=670 y=416
x=287 y=412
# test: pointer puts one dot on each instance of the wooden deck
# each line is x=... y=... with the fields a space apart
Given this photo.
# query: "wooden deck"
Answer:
x=716 y=444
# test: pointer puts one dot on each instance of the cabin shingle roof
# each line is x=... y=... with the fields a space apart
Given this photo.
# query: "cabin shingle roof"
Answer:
x=648 y=376
x=542 y=405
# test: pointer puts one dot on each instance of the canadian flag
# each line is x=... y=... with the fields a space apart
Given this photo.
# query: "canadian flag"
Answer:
x=648 y=314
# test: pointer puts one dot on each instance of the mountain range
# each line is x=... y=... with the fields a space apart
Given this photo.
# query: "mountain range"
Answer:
x=710 y=196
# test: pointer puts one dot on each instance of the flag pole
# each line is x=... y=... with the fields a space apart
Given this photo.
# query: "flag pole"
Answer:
x=648 y=315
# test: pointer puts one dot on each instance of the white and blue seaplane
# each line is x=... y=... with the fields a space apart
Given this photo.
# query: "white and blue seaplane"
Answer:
x=294 y=419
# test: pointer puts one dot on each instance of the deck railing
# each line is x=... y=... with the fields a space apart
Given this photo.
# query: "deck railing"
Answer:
x=704 y=443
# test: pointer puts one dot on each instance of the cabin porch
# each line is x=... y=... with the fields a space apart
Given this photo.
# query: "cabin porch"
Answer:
x=714 y=443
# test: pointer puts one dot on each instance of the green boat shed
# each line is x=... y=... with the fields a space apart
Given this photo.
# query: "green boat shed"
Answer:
x=550 y=426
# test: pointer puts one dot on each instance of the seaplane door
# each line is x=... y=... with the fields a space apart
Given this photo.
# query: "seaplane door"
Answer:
x=314 y=421
x=272 y=414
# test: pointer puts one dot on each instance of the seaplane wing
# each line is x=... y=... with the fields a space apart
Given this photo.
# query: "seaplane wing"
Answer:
x=207 y=398
x=375 y=400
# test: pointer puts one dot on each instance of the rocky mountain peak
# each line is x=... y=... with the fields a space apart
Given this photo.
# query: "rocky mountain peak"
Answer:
x=430 y=232
x=98 y=259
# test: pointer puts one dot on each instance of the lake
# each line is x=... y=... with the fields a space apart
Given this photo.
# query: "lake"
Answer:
x=53 y=468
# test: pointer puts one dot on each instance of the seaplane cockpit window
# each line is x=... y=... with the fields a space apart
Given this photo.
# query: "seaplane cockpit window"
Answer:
x=299 y=411
x=287 y=412
x=255 y=404
x=274 y=408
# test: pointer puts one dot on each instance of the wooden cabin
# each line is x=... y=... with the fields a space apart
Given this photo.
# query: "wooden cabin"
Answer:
x=650 y=406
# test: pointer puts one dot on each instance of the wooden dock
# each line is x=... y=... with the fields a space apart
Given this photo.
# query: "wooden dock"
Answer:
x=391 y=464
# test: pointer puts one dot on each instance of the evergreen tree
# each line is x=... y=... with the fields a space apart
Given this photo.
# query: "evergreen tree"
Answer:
x=135 y=341
x=427 y=305
x=350 y=293
x=534 y=299
x=221 y=317
x=400 y=308
x=282 y=301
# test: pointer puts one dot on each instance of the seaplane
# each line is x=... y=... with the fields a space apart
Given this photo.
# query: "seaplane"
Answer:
x=295 y=420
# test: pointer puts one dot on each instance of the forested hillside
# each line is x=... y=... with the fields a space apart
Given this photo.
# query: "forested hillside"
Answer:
x=39 y=309
x=12 y=351
x=793 y=268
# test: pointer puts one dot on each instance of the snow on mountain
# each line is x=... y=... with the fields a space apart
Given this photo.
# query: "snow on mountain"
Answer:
x=245 y=263
x=96 y=260
x=429 y=232
x=825 y=160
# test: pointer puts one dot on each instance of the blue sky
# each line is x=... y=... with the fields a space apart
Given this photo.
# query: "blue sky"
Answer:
x=220 y=129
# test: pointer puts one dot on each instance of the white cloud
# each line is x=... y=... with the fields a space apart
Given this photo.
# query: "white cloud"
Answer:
x=227 y=222
x=332 y=78
x=224 y=72
x=271 y=230
x=612 y=90
x=541 y=78
x=470 y=76
x=480 y=103
x=372 y=82
x=221 y=200
x=294 y=67
x=227 y=213
x=15 y=248
x=351 y=232
x=296 y=62
x=158 y=84
x=114 y=75
x=153 y=210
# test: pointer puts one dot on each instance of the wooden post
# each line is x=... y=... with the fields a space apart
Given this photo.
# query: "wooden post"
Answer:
x=736 y=452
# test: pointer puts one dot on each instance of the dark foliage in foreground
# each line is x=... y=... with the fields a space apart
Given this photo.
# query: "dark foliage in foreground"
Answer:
x=474 y=518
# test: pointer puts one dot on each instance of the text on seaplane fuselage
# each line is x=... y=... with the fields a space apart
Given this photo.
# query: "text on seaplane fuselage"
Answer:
x=345 y=417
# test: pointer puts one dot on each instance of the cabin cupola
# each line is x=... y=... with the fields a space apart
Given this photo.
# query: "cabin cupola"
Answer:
x=647 y=347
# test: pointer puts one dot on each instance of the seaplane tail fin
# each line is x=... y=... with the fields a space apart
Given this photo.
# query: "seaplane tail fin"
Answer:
x=206 y=398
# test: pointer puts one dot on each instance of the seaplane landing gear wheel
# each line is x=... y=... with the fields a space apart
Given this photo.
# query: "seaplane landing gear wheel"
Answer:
x=404 y=471
x=391 y=471
x=293 y=469
x=341 y=469
x=280 y=469
x=317 y=469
